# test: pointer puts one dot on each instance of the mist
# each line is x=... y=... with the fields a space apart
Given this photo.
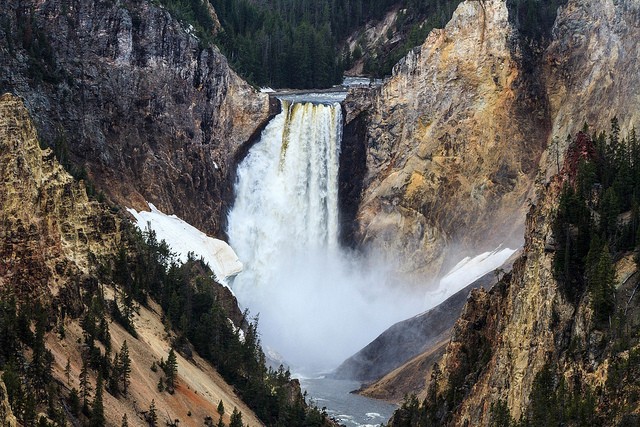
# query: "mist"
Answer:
x=320 y=308
x=317 y=303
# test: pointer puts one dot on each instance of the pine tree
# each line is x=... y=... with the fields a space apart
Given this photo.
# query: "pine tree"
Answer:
x=74 y=401
x=125 y=422
x=67 y=371
x=125 y=367
x=236 y=419
x=152 y=416
x=220 y=410
x=85 y=385
x=97 y=408
x=602 y=287
x=171 y=370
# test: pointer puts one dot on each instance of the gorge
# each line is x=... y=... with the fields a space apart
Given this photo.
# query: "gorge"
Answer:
x=349 y=213
x=312 y=295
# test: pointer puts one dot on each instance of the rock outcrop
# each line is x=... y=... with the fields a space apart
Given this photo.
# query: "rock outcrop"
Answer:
x=591 y=68
x=129 y=93
x=51 y=232
x=446 y=138
x=6 y=415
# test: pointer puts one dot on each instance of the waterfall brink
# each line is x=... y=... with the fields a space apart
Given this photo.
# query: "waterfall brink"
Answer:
x=316 y=303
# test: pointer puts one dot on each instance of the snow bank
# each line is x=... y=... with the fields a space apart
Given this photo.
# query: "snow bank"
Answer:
x=465 y=272
x=184 y=238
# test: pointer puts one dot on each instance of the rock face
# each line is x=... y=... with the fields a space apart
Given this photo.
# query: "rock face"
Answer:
x=446 y=138
x=455 y=140
x=591 y=66
x=505 y=336
x=6 y=415
x=51 y=232
x=124 y=90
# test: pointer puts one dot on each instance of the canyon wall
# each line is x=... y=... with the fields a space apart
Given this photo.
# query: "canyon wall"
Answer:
x=454 y=140
x=444 y=128
x=128 y=93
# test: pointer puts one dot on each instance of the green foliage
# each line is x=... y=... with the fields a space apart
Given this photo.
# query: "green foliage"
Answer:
x=171 y=371
x=552 y=402
x=296 y=43
x=97 y=408
x=500 y=415
x=25 y=361
x=74 y=402
x=152 y=415
x=236 y=419
x=587 y=229
x=602 y=287
x=194 y=13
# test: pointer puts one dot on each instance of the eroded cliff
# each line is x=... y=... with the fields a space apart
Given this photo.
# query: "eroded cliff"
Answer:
x=129 y=93
x=513 y=100
x=446 y=141
x=51 y=232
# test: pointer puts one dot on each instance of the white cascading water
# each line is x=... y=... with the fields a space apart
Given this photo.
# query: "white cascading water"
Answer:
x=316 y=303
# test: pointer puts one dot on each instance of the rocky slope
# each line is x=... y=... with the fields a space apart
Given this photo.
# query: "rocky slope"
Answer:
x=407 y=339
x=461 y=127
x=445 y=140
x=127 y=92
x=51 y=232
x=51 y=240
x=509 y=341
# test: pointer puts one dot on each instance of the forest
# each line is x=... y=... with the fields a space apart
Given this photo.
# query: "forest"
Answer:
x=300 y=43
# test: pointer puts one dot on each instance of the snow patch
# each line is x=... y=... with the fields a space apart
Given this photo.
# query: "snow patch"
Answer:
x=183 y=238
x=466 y=272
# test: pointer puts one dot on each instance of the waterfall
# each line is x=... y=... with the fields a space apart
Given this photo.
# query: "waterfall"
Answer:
x=317 y=304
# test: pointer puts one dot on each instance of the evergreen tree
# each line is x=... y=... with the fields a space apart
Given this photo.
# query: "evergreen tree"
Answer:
x=236 y=419
x=171 y=370
x=74 y=402
x=220 y=410
x=125 y=367
x=67 y=371
x=85 y=385
x=97 y=408
x=602 y=287
x=125 y=422
x=152 y=416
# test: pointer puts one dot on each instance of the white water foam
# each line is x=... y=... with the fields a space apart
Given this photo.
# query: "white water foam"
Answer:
x=317 y=303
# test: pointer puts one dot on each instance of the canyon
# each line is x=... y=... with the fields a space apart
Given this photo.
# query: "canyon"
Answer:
x=459 y=151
